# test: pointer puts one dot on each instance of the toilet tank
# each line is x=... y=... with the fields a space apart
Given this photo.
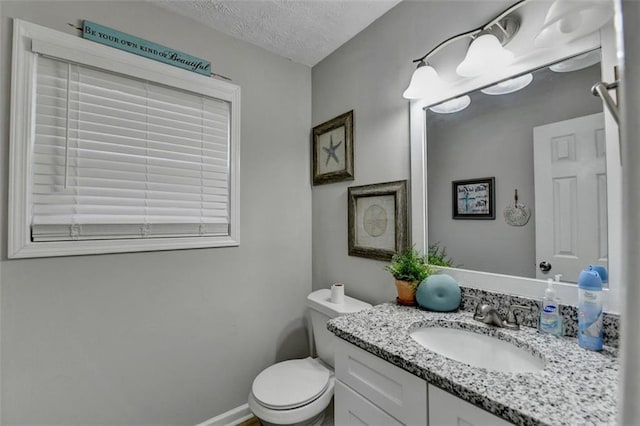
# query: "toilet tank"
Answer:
x=322 y=310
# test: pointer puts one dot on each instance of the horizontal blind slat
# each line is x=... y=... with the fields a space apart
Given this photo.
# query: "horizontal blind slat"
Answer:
x=50 y=191
x=126 y=230
x=87 y=113
x=53 y=163
x=82 y=149
x=112 y=183
x=69 y=199
x=140 y=211
x=106 y=177
x=98 y=149
x=108 y=128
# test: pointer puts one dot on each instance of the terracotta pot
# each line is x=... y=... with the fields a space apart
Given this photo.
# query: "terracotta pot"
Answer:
x=406 y=292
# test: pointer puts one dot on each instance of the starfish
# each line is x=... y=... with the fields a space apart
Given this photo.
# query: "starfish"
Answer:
x=331 y=151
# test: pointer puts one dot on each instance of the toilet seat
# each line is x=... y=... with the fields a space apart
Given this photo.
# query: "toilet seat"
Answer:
x=291 y=384
x=301 y=414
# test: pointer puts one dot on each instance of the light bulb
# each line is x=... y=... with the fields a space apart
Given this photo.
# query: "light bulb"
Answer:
x=577 y=62
x=569 y=20
x=453 y=105
x=485 y=54
x=570 y=23
x=509 y=86
x=424 y=81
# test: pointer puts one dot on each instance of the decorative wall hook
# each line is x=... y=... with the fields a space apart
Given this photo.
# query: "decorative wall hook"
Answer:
x=517 y=214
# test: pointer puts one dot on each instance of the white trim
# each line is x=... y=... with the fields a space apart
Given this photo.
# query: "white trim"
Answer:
x=20 y=125
x=28 y=36
x=521 y=286
x=232 y=417
x=518 y=286
x=85 y=52
x=614 y=174
x=1 y=261
x=629 y=387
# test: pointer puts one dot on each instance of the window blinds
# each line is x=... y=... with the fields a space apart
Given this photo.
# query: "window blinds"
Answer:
x=117 y=157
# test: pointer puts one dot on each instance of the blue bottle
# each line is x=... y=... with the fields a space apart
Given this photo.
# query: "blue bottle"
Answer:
x=590 y=310
x=602 y=271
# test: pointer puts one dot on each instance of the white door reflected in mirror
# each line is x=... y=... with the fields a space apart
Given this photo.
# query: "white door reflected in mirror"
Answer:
x=571 y=196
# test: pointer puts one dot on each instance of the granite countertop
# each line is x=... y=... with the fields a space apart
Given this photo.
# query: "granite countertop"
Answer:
x=577 y=386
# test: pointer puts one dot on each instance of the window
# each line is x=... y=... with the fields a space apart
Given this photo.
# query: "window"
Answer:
x=111 y=152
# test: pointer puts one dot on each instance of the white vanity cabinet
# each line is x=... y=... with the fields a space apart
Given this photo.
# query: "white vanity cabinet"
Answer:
x=351 y=408
x=393 y=395
x=446 y=409
x=371 y=391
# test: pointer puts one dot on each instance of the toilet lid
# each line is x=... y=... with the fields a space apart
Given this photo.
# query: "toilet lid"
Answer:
x=290 y=384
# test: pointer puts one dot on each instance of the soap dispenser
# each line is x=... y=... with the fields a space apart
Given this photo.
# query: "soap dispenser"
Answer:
x=550 y=318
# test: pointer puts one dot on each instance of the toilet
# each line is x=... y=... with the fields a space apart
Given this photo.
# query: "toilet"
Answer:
x=298 y=391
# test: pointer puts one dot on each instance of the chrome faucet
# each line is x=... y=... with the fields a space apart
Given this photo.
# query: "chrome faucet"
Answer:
x=487 y=314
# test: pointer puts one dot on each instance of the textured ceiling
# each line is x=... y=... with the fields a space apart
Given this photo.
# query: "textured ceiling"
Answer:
x=305 y=31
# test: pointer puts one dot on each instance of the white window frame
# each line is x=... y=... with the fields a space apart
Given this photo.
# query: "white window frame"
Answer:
x=28 y=37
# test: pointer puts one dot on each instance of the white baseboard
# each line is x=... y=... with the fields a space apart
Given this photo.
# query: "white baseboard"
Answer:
x=232 y=417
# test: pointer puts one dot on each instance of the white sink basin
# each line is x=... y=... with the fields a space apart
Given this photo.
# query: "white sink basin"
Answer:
x=478 y=350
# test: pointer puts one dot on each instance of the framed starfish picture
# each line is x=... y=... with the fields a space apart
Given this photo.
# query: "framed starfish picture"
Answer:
x=377 y=218
x=333 y=150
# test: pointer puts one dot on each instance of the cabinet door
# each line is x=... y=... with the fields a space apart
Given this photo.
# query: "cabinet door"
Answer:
x=351 y=408
x=396 y=391
x=448 y=410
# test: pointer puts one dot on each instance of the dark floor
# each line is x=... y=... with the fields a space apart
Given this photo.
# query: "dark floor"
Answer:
x=253 y=421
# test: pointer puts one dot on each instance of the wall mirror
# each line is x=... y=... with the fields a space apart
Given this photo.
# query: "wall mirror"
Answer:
x=547 y=142
x=482 y=141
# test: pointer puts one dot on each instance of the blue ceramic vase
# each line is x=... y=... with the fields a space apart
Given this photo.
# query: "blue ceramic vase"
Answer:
x=440 y=293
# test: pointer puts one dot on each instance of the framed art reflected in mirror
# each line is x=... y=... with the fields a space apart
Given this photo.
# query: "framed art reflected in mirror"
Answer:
x=333 y=150
x=377 y=220
x=474 y=199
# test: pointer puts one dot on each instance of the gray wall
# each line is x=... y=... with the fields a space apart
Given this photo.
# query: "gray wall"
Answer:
x=368 y=74
x=166 y=338
x=494 y=137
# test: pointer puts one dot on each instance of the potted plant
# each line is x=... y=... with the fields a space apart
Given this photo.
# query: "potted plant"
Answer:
x=409 y=268
x=437 y=256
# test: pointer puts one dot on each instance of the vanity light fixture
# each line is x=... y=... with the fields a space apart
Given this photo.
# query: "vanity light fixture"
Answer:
x=566 y=20
x=485 y=53
x=453 y=105
x=509 y=86
x=569 y=20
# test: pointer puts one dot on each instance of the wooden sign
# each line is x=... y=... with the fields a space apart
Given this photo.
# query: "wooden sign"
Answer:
x=138 y=46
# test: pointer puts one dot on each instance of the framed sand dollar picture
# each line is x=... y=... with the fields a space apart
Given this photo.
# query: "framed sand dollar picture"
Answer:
x=333 y=150
x=377 y=220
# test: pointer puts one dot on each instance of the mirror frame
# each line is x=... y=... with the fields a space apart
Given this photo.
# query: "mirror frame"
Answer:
x=525 y=62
